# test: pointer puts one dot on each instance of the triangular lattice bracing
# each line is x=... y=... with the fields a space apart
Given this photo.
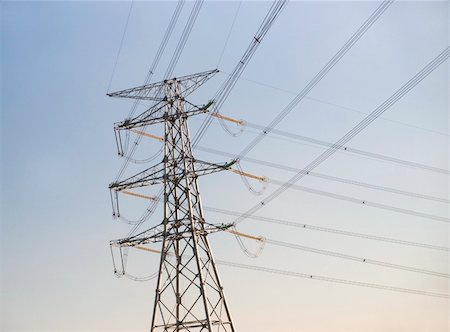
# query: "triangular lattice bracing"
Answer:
x=189 y=295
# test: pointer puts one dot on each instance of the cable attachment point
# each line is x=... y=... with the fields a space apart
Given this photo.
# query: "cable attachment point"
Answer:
x=245 y=175
x=238 y=235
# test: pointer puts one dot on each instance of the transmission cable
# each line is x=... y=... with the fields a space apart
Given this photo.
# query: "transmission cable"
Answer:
x=153 y=205
x=149 y=159
x=429 y=68
x=319 y=76
x=334 y=60
x=362 y=201
x=296 y=138
x=325 y=102
x=329 y=230
x=328 y=177
x=168 y=33
x=226 y=88
x=123 y=269
x=120 y=45
x=351 y=150
x=229 y=33
x=330 y=279
x=355 y=258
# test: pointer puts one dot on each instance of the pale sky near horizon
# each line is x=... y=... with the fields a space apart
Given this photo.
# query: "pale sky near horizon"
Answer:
x=58 y=156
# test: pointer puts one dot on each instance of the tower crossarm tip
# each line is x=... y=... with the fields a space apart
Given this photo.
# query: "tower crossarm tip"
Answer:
x=214 y=228
x=156 y=114
x=155 y=174
x=148 y=177
x=157 y=234
x=151 y=91
x=204 y=167
x=154 y=91
x=190 y=83
x=152 y=115
x=150 y=235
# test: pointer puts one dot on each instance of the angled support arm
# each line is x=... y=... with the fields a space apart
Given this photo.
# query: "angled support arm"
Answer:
x=156 y=234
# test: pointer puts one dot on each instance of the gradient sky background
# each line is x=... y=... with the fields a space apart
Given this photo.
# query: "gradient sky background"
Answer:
x=58 y=157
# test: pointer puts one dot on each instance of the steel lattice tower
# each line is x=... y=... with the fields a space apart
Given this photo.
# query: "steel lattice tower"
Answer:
x=189 y=294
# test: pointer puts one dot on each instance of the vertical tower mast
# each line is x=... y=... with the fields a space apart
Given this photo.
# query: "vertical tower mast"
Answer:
x=189 y=294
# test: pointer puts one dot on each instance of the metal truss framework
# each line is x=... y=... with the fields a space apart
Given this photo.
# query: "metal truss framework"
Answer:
x=189 y=294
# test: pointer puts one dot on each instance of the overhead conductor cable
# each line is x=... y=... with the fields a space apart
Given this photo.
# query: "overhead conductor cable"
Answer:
x=326 y=176
x=338 y=254
x=429 y=68
x=324 y=278
x=329 y=230
x=333 y=61
x=225 y=89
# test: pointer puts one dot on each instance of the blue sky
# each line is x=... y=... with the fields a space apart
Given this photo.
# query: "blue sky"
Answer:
x=58 y=157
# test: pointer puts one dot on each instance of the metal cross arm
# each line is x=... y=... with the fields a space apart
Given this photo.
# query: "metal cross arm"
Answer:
x=143 y=92
x=152 y=115
x=156 y=234
x=151 y=235
x=156 y=114
x=154 y=91
x=155 y=174
x=150 y=176
x=204 y=167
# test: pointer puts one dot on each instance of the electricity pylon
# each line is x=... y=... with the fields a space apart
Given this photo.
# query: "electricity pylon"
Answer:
x=189 y=294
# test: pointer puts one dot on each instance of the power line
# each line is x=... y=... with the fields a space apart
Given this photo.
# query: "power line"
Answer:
x=329 y=230
x=297 y=138
x=328 y=177
x=320 y=75
x=352 y=150
x=335 y=178
x=120 y=45
x=315 y=228
x=383 y=118
x=184 y=37
x=229 y=33
x=325 y=102
x=363 y=202
x=304 y=275
x=355 y=258
x=226 y=88
x=354 y=200
x=168 y=33
x=330 y=279
x=416 y=79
